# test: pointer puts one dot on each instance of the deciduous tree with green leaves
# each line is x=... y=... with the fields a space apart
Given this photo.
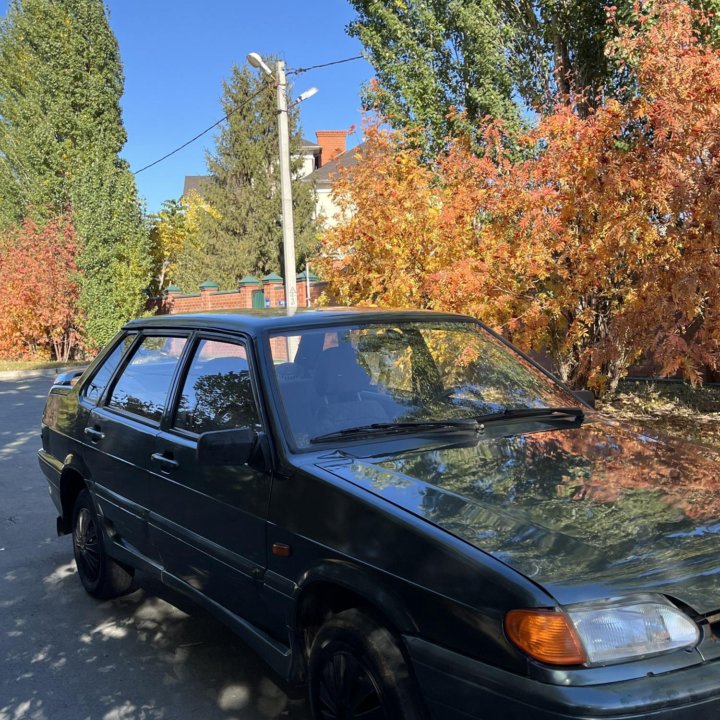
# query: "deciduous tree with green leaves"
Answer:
x=61 y=131
x=168 y=236
x=244 y=234
x=434 y=58
x=177 y=250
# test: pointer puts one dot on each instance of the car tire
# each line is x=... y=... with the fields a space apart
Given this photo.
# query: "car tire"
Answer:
x=356 y=669
x=100 y=575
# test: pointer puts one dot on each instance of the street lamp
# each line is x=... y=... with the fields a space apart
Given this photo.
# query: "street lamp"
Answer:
x=303 y=96
x=285 y=179
x=257 y=62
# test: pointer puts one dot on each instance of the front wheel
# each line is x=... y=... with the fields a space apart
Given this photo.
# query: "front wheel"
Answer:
x=99 y=574
x=357 y=671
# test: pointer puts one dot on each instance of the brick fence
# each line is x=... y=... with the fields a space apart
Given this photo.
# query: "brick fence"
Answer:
x=268 y=292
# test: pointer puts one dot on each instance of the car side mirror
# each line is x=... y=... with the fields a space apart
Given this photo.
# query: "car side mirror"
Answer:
x=67 y=379
x=587 y=396
x=226 y=447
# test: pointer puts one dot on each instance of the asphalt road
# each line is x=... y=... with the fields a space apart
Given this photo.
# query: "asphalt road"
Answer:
x=65 y=656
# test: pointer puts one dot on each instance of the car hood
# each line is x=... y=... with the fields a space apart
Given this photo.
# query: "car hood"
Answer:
x=588 y=512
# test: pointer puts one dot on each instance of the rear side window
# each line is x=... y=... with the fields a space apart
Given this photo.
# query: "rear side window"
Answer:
x=217 y=391
x=95 y=387
x=143 y=386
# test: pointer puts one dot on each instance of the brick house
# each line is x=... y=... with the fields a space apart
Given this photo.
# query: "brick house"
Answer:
x=320 y=161
x=334 y=157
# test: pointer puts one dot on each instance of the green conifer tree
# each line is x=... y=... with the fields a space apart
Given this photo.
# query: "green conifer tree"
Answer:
x=242 y=232
x=61 y=130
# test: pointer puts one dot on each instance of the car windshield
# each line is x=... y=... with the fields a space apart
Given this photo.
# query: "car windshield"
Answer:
x=336 y=378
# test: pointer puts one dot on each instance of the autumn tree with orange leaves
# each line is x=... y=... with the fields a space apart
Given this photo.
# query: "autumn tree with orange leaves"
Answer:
x=401 y=223
x=39 y=302
x=600 y=247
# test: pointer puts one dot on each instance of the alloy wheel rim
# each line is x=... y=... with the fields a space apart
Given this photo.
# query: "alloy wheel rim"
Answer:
x=86 y=545
x=348 y=690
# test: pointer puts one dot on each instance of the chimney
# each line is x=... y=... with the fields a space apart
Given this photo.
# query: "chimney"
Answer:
x=332 y=143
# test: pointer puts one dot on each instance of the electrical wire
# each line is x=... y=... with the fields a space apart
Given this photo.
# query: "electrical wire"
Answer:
x=204 y=132
x=297 y=71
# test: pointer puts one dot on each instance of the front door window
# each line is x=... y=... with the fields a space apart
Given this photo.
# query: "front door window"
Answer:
x=217 y=392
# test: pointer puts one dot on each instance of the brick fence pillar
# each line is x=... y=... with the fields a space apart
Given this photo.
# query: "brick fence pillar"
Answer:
x=207 y=289
x=246 y=287
x=274 y=290
x=171 y=292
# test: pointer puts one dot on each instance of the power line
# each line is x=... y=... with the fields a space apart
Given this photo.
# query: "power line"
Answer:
x=204 y=132
x=297 y=71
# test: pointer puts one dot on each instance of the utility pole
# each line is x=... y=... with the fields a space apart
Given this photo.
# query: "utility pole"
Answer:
x=288 y=226
x=307 y=282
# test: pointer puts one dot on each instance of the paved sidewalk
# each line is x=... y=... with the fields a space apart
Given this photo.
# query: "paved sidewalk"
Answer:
x=9 y=375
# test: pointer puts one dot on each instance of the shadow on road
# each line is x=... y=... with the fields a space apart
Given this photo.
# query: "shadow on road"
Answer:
x=134 y=657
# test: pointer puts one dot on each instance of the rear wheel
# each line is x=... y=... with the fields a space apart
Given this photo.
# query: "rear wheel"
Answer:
x=100 y=575
x=357 y=671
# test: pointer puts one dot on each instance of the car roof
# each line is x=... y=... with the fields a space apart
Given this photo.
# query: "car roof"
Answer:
x=257 y=321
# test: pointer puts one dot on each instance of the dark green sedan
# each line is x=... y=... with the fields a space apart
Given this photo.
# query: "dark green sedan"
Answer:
x=397 y=510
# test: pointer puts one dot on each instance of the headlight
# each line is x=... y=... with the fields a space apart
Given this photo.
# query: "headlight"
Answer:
x=602 y=633
x=632 y=629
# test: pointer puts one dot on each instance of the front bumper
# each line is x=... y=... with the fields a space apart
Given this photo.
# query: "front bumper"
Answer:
x=458 y=688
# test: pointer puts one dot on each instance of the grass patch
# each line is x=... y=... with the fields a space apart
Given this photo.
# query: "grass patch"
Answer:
x=670 y=408
x=36 y=364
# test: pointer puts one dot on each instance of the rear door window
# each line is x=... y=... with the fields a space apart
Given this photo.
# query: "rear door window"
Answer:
x=94 y=388
x=217 y=390
x=142 y=388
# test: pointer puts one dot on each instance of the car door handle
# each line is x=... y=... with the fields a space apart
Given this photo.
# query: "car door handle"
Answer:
x=168 y=462
x=94 y=434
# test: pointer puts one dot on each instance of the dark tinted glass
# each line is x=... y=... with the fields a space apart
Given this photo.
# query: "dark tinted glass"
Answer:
x=217 y=393
x=143 y=386
x=95 y=387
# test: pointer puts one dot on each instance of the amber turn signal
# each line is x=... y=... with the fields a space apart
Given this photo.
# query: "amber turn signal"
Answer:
x=281 y=549
x=545 y=635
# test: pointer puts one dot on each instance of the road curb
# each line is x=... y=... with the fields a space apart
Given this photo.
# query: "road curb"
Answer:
x=33 y=373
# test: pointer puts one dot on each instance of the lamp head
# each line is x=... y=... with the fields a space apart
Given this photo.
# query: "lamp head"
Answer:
x=255 y=59
x=307 y=94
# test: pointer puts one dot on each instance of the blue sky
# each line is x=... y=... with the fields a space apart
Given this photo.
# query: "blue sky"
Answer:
x=176 y=54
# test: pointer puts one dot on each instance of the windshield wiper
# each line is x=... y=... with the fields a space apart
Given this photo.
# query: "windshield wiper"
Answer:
x=399 y=427
x=561 y=413
x=475 y=424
